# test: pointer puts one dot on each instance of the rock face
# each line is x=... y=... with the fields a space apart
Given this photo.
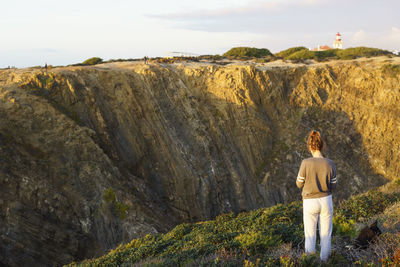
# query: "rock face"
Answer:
x=94 y=156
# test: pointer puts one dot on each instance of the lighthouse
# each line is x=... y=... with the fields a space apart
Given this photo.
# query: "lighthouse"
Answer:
x=338 y=43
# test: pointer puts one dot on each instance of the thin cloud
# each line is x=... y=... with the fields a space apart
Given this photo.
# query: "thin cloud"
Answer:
x=262 y=17
x=251 y=8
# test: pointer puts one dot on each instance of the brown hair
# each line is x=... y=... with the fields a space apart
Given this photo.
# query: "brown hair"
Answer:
x=314 y=141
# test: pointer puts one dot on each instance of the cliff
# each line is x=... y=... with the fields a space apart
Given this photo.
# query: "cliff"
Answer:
x=95 y=156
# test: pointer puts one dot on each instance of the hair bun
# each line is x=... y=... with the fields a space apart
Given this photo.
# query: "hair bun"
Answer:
x=314 y=132
x=314 y=141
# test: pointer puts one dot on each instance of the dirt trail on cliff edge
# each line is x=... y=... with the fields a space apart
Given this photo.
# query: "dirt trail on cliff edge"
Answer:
x=94 y=156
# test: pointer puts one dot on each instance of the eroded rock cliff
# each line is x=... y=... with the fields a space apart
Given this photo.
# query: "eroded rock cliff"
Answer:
x=95 y=156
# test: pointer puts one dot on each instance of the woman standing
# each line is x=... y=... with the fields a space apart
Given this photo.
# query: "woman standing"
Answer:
x=317 y=178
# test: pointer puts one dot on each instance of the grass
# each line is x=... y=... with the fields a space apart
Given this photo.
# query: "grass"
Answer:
x=289 y=51
x=299 y=53
x=109 y=198
x=245 y=52
x=362 y=207
x=264 y=237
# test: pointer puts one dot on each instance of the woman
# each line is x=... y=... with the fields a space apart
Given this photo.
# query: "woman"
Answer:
x=317 y=178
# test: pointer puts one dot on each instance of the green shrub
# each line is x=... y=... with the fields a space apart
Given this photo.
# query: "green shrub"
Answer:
x=242 y=52
x=257 y=242
x=286 y=261
x=319 y=55
x=367 y=205
x=92 y=61
x=336 y=259
x=356 y=52
x=343 y=226
x=316 y=55
x=310 y=260
x=119 y=208
x=122 y=60
x=210 y=57
x=301 y=54
x=286 y=53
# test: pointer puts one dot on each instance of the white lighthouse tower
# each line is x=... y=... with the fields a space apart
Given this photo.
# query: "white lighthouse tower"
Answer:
x=338 y=43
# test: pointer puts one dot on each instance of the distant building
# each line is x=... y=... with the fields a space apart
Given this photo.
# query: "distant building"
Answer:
x=396 y=52
x=322 y=48
x=181 y=54
x=338 y=43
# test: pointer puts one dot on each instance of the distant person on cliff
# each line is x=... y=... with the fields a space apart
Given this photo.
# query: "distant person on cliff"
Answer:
x=317 y=178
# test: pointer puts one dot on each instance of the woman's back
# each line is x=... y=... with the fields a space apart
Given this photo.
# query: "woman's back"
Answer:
x=317 y=177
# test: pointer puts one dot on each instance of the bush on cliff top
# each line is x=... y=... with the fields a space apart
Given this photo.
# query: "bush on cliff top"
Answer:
x=348 y=53
x=243 y=52
x=289 y=51
x=316 y=55
x=92 y=61
x=356 y=52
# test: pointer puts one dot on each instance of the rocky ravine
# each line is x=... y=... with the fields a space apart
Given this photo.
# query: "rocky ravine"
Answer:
x=94 y=156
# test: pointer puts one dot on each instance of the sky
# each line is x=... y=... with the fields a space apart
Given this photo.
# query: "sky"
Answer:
x=60 y=32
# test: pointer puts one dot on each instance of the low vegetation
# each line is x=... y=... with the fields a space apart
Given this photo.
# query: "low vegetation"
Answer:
x=170 y=60
x=261 y=55
x=301 y=53
x=356 y=52
x=110 y=199
x=289 y=51
x=264 y=237
x=122 y=60
x=247 y=52
x=92 y=61
x=210 y=57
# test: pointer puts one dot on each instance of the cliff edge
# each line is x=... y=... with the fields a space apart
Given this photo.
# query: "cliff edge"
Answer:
x=95 y=156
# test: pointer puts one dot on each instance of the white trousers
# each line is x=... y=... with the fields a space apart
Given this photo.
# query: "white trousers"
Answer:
x=318 y=211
